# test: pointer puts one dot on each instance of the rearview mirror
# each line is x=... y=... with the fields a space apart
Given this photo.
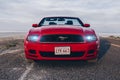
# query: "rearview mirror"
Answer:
x=35 y=25
x=86 y=25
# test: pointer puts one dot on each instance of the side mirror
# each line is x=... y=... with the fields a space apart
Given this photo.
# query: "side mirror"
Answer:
x=34 y=25
x=86 y=25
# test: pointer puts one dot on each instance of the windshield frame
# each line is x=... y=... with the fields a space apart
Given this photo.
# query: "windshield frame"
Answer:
x=80 y=22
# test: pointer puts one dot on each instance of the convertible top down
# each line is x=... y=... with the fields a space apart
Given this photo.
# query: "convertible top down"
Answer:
x=61 y=38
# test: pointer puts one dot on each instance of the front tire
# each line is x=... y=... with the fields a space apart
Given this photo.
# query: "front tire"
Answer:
x=29 y=60
x=93 y=60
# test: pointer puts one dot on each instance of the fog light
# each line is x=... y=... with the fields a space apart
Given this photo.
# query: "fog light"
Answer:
x=91 y=51
x=32 y=51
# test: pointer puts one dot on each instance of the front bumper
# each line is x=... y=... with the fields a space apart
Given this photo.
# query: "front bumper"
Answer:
x=45 y=51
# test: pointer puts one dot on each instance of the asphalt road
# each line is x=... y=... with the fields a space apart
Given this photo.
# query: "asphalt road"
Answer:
x=14 y=67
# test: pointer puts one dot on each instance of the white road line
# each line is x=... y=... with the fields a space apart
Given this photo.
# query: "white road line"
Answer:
x=29 y=68
x=10 y=51
x=115 y=45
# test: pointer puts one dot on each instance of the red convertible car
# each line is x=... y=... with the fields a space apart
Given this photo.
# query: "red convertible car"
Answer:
x=61 y=38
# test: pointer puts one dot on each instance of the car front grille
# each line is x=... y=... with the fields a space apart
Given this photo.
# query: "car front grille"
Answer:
x=62 y=38
x=52 y=54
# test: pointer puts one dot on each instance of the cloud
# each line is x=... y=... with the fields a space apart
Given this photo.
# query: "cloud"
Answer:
x=18 y=15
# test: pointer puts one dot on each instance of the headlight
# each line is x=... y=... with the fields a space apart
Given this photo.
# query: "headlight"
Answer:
x=91 y=38
x=33 y=38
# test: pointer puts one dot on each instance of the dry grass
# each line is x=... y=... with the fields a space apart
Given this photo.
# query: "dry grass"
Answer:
x=114 y=37
x=10 y=43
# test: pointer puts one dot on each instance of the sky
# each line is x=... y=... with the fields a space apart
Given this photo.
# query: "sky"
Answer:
x=19 y=15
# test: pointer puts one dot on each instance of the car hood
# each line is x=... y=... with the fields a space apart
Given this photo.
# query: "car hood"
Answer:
x=59 y=29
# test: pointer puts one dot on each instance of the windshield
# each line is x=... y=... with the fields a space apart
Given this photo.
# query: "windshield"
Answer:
x=60 y=21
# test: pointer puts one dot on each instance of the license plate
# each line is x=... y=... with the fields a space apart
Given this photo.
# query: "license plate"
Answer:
x=62 y=50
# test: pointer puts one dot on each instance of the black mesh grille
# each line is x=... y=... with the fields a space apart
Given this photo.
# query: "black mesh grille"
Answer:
x=52 y=54
x=61 y=38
